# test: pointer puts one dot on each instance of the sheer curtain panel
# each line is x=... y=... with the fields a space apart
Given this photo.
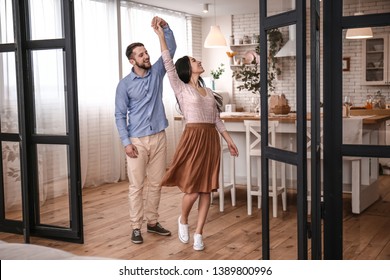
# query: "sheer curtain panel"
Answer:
x=102 y=155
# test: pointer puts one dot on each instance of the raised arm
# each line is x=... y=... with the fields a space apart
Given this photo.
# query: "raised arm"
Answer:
x=176 y=84
x=169 y=37
x=158 y=29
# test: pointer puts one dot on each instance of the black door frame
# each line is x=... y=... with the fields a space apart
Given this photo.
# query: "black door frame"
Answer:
x=331 y=210
x=315 y=96
x=334 y=23
x=28 y=140
x=299 y=158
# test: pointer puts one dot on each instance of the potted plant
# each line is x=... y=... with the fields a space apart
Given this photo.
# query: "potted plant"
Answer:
x=216 y=74
x=249 y=75
x=275 y=39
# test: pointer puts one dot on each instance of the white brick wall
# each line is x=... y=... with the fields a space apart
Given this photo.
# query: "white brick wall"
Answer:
x=245 y=24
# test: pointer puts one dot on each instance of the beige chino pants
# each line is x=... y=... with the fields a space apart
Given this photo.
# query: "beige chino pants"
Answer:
x=146 y=171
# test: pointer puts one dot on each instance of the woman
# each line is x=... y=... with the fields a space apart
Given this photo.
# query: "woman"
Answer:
x=195 y=166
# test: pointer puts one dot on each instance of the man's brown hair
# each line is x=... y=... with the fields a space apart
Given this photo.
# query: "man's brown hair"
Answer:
x=131 y=47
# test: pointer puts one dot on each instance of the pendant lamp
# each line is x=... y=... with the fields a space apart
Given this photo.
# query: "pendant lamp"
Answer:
x=215 y=38
x=359 y=33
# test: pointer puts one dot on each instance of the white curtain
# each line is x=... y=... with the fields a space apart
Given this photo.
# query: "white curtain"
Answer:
x=102 y=156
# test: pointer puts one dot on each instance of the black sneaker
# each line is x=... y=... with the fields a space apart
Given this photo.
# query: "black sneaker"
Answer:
x=158 y=229
x=136 y=237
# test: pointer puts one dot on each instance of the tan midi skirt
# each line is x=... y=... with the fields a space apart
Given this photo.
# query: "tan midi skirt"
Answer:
x=195 y=166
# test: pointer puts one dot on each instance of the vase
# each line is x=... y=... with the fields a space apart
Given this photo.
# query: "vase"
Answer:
x=213 y=84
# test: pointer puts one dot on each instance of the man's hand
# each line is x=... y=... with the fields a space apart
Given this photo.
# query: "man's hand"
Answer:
x=158 y=21
x=131 y=151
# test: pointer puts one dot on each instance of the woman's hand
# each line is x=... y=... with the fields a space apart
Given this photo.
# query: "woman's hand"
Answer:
x=233 y=149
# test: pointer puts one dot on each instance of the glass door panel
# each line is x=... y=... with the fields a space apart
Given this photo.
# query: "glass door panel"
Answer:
x=6 y=22
x=364 y=176
x=363 y=198
x=12 y=180
x=46 y=19
x=279 y=6
x=8 y=98
x=282 y=87
x=54 y=185
x=283 y=187
x=49 y=92
x=367 y=7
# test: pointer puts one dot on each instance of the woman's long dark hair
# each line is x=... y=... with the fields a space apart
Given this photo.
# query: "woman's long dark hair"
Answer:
x=183 y=69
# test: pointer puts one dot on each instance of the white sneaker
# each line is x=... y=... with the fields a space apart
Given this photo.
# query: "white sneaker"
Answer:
x=183 y=231
x=198 y=242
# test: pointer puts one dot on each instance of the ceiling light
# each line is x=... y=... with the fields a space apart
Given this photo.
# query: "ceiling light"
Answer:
x=215 y=38
x=359 y=33
x=205 y=8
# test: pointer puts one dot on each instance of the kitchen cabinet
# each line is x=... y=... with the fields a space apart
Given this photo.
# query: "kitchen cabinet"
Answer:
x=376 y=60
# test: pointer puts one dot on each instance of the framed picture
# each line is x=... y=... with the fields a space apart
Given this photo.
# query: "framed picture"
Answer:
x=346 y=61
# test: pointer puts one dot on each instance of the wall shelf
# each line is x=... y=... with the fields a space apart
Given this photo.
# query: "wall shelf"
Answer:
x=249 y=65
x=243 y=45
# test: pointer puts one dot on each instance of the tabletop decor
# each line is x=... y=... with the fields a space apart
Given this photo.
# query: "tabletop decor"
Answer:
x=216 y=74
x=231 y=56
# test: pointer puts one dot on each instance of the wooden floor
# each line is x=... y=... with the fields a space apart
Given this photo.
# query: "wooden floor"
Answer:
x=228 y=235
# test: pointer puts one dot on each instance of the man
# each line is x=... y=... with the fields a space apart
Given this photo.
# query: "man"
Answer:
x=141 y=122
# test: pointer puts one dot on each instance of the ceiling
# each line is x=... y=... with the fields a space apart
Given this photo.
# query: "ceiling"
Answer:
x=195 y=7
x=224 y=7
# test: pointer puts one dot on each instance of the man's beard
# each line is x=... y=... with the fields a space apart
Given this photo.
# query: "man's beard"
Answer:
x=144 y=66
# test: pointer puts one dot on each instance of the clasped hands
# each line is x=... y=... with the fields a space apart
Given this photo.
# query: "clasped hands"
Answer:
x=157 y=21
